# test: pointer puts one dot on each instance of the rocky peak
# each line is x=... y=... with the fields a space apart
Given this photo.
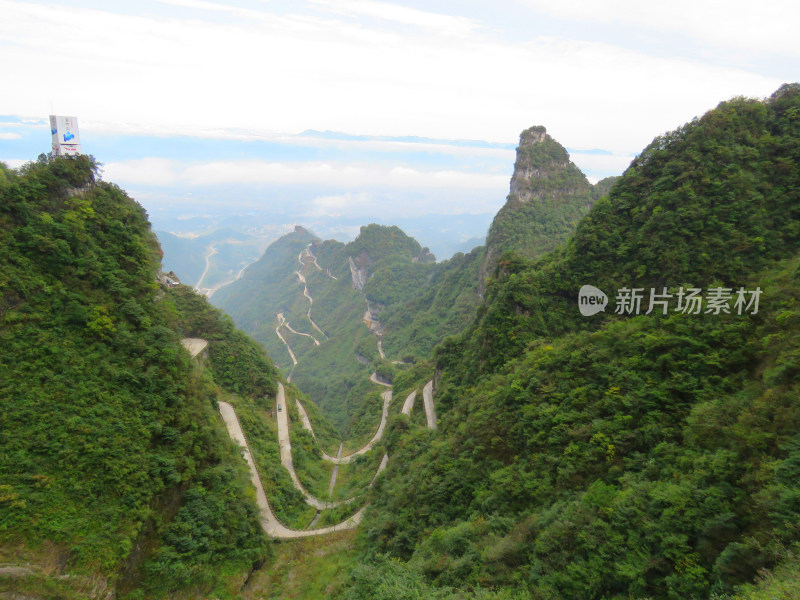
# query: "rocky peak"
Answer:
x=548 y=195
x=533 y=135
x=541 y=161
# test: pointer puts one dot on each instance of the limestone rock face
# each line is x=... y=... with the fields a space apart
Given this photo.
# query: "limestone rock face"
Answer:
x=523 y=169
x=543 y=169
x=358 y=270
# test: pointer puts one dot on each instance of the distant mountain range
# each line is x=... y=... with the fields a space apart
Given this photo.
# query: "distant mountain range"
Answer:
x=209 y=261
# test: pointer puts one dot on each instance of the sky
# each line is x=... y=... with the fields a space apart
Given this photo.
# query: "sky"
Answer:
x=367 y=109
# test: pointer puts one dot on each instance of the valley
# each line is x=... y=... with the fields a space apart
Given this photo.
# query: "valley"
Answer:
x=272 y=526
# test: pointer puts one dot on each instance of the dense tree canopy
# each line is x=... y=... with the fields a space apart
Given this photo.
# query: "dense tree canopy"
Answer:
x=624 y=456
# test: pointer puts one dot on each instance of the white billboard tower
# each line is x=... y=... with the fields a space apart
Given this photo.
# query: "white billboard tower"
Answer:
x=66 y=141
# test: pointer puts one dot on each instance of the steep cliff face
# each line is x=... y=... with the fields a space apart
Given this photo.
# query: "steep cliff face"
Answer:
x=548 y=195
x=358 y=274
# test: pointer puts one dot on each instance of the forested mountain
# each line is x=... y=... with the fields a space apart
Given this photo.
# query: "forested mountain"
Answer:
x=116 y=474
x=411 y=302
x=328 y=300
x=648 y=450
x=623 y=455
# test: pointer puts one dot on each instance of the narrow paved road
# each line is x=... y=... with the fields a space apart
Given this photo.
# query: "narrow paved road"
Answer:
x=211 y=291
x=335 y=471
x=302 y=279
x=383 y=355
x=430 y=411
x=281 y=321
x=212 y=251
x=293 y=330
x=286 y=454
x=269 y=522
x=374 y=379
x=343 y=460
x=408 y=405
x=313 y=258
x=310 y=301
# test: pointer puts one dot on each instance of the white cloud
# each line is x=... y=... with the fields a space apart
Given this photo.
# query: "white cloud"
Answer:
x=295 y=72
x=347 y=204
x=438 y=23
x=165 y=172
x=13 y=163
x=143 y=172
x=765 y=26
x=211 y=6
x=601 y=163
x=433 y=147
x=10 y=136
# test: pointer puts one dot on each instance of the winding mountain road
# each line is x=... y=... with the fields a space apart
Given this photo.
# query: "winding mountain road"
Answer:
x=211 y=291
x=293 y=330
x=286 y=454
x=374 y=379
x=281 y=321
x=335 y=471
x=383 y=354
x=269 y=522
x=307 y=252
x=212 y=250
x=302 y=279
x=343 y=460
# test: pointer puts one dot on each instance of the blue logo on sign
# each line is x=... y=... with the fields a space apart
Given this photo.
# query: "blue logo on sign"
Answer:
x=68 y=136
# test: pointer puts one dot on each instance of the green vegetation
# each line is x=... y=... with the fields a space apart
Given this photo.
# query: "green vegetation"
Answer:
x=114 y=459
x=621 y=456
x=385 y=245
x=705 y=205
x=306 y=569
x=239 y=364
x=270 y=286
x=401 y=279
x=783 y=582
x=442 y=305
